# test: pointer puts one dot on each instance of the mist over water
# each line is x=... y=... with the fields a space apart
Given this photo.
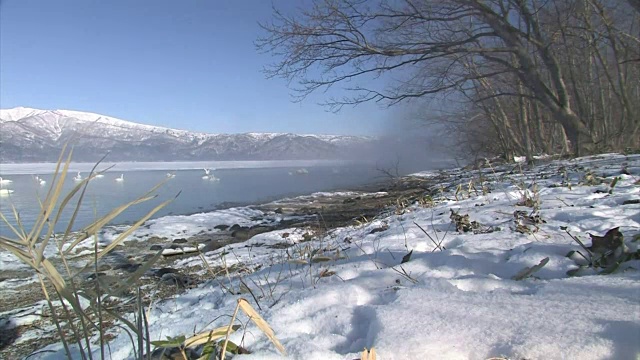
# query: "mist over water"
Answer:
x=411 y=141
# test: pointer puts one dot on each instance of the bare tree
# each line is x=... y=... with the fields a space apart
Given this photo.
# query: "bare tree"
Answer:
x=432 y=47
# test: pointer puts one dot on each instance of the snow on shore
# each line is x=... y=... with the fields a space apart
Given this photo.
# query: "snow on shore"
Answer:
x=458 y=303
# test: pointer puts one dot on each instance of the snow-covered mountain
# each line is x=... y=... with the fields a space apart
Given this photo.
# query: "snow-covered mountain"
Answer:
x=38 y=135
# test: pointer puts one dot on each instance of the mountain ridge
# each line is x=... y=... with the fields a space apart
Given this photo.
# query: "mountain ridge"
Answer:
x=35 y=135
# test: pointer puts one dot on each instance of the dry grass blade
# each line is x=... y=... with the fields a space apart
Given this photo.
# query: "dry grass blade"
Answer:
x=62 y=206
x=116 y=314
x=43 y=217
x=81 y=185
x=429 y=236
x=131 y=229
x=19 y=232
x=50 y=203
x=54 y=276
x=368 y=354
x=10 y=242
x=29 y=248
x=8 y=245
x=261 y=323
x=130 y=281
x=93 y=228
x=56 y=172
x=229 y=328
x=206 y=337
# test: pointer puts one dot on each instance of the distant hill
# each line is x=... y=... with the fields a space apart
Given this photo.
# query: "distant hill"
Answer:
x=32 y=135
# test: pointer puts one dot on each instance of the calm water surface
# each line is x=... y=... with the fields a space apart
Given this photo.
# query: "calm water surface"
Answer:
x=249 y=185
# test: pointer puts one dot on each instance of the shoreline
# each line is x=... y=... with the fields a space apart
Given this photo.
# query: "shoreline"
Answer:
x=337 y=207
x=340 y=241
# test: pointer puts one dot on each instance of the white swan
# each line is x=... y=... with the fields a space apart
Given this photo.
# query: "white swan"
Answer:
x=210 y=176
x=98 y=176
x=40 y=181
x=121 y=178
x=4 y=192
x=5 y=181
x=170 y=175
x=78 y=177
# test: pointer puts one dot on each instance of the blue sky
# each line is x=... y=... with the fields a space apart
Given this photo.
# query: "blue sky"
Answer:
x=188 y=64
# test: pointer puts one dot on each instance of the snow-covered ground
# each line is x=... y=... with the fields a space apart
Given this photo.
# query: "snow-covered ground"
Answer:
x=346 y=289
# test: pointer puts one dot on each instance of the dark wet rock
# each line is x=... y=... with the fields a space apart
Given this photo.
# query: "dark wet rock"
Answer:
x=156 y=239
x=280 y=245
x=379 y=229
x=214 y=245
x=178 y=279
x=95 y=275
x=285 y=235
x=259 y=230
x=128 y=267
x=155 y=247
x=8 y=334
x=165 y=270
x=104 y=267
x=120 y=266
x=241 y=234
x=132 y=267
x=221 y=227
x=147 y=257
x=234 y=227
x=174 y=353
x=180 y=241
x=244 y=233
x=278 y=210
x=631 y=202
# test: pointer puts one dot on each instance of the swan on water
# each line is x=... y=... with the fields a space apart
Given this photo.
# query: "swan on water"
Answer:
x=170 y=175
x=78 y=177
x=5 y=181
x=40 y=181
x=121 y=178
x=5 y=191
x=209 y=175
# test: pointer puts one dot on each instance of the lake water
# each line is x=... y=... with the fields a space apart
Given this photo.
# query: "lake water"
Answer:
x=239 y=182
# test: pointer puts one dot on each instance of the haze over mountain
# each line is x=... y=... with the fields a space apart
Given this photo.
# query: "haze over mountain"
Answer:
x=33 y=135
